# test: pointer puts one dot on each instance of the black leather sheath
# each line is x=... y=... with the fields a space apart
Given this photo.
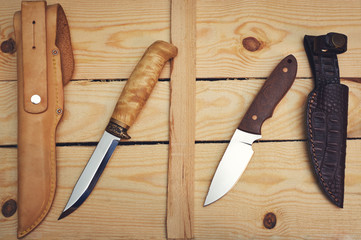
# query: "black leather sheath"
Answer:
x=327 y=114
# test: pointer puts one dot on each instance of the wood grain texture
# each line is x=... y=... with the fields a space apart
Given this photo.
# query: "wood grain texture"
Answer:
x=89 y=105
x=109 y=37
x=235 y=39
x=129 y=201
x=141 y=82
x=277 y=27
x=182 y=118
x=278 y=179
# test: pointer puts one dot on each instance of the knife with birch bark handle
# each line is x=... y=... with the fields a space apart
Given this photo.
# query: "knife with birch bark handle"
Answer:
x=239 y=151
x=132 y=99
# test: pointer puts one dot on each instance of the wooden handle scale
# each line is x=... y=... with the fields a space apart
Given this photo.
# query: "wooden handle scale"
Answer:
x=271 y=93
x=139 y=86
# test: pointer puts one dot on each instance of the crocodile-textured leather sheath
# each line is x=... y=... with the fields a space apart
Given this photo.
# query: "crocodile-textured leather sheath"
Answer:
x=327 y=114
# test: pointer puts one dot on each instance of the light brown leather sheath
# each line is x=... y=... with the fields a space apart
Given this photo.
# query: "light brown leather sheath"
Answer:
x=45 y=64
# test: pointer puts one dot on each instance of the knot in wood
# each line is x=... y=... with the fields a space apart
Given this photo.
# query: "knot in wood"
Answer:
x=269 y=220
x=9 y=208
x=251 y=44
x=8 y=46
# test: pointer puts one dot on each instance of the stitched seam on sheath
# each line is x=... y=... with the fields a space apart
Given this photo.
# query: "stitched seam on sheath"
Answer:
x=314 y=151
x=52 y=156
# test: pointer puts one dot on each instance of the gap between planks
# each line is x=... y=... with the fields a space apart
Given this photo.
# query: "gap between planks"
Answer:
x=145 y=143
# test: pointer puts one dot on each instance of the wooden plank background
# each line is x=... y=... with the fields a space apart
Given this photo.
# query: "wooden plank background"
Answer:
x=129 y=201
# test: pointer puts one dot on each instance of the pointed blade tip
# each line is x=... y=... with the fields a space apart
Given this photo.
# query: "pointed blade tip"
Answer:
x=62 y=215
x=77 y=197
x=66 y=212
x=206 y=203
x=209 y=201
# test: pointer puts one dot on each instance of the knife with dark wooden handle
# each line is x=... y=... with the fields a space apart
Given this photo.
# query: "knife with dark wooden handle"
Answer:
x=132 y=99
x=239 y=151
x=271 y=93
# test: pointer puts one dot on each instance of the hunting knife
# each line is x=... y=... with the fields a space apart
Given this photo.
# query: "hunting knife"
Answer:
x=132 y=99
x=239 y=151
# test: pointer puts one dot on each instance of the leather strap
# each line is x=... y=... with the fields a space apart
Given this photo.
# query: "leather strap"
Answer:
x=327 y=114
x=322 y=55
x=33 y=25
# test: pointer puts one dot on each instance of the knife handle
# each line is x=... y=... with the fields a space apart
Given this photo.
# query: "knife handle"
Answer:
x=139 y=86
x=271 y=93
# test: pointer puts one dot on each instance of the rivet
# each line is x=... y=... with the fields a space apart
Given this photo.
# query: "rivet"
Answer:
x=269 y=220
x=8 y=46
x=285 y=69
x=55 y=52
x=251 y=44
x=338 y=40
x=59 y=111
x=254 y=117
x=9 y=208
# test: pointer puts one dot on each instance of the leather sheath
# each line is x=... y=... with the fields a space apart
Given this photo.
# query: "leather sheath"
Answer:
x=45 y=65
x=327 y=108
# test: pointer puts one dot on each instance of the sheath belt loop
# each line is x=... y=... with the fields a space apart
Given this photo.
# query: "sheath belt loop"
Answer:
x=322 y=54
x=33 y=22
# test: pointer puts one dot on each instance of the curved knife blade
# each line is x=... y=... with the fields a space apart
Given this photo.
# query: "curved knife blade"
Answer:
x=233 y=163
x=91 y=173
x=132 y=99
x=239 y=151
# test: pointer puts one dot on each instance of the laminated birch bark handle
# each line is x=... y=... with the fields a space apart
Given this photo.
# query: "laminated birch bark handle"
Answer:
x=139 y=86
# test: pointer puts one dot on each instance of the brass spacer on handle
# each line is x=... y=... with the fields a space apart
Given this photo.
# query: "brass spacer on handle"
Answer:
x=118 y=129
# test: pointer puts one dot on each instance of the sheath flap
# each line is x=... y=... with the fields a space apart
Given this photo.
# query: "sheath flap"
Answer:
x=63 y=42
x=33 y=22
x=327 y=124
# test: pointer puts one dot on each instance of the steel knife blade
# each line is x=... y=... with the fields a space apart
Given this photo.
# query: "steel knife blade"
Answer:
x=132 y=99
x=239 y=151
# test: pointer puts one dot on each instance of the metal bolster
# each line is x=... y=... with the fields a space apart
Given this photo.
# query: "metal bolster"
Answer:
x=114 y=127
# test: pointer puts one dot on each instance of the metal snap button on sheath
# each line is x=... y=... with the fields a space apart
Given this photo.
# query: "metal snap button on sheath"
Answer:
x=35 y=99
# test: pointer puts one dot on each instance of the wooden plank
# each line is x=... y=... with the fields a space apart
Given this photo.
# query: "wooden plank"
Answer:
x=278 y=27
x=129 y=201
x=89 y=105
x=278 y=179
x=182 y=115
x=109 y=37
